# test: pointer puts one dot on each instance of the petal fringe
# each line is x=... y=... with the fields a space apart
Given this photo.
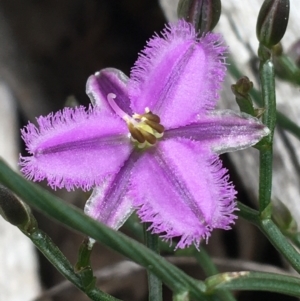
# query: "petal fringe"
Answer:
x=178 y=75
x=183 y=190
x=75 y=148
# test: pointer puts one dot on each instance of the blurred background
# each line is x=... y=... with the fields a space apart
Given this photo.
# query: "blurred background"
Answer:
x=47 y=51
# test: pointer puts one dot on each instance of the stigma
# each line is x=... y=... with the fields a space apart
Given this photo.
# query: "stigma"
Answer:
x=144 y=129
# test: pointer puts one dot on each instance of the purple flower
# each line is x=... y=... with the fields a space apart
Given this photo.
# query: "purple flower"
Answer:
x=151 y=142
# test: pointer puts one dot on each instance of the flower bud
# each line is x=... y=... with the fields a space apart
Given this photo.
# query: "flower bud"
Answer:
x=241 y=91
x=203 y=14
x=15 y=211
x=242 y=87
x=272 y=21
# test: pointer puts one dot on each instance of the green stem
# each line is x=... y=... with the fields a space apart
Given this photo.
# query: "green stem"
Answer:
x=267 y=77
x=154 y=283
x=280 y=242
x=274 y=235
x=248 y=214
x=205 y=262
x=210 y=269
x=265 y=179
x=44 y=243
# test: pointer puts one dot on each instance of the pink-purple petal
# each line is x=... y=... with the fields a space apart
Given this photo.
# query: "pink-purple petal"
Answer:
x=178 y=184
x=178 y=75
x=183 y=190
x=109 y=80
x=109 y=202
x=75 y=148
x=223 y=131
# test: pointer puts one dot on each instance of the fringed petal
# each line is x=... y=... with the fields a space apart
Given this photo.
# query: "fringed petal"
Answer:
x=183 y=190
x=178 y=75
x=75 y=148
x=223 y=131
x=109 y=203
x=109 y=80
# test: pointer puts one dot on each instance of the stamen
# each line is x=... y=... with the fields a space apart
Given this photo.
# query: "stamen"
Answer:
x=144 y=129
x=156 y=126
x=135 y=133
x=151 y=139
x=152 y=117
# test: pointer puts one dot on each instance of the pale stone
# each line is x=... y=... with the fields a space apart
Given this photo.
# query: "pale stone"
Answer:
x=19 y=272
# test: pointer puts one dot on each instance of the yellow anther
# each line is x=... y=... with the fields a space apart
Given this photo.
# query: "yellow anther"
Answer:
x=145 y=128
x=136 y=134
x=156 y=126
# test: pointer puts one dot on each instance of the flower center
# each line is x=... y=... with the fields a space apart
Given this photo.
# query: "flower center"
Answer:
x=144 y=129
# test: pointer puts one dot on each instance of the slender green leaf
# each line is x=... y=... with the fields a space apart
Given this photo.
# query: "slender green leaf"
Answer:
x=74 y=218
x=210 y=269
x=255 y=281
x=273 y=233
x=154 y=283
x=248 y=214
x=60 y=262
x=280 y=242
x=287 y=69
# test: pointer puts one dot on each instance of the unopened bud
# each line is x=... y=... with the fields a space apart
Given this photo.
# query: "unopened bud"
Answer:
x=242 y=87
x=203 y=14
x=15 y=211
x=272 y=21
x=241 y=91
